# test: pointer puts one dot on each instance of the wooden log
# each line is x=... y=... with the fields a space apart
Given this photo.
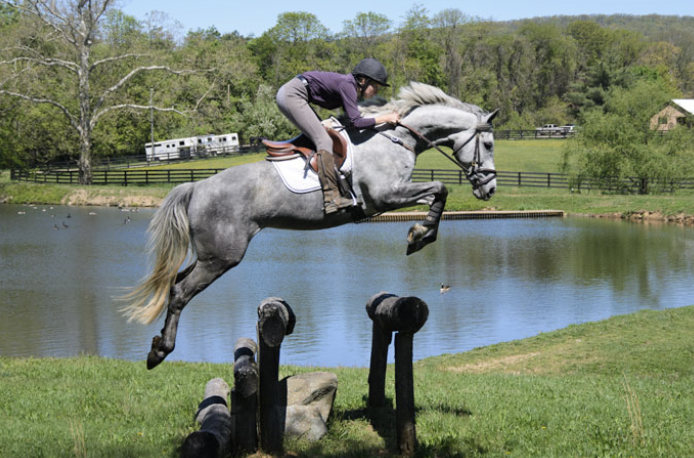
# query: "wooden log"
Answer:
x=245 y=369
x=404 y=395
x=275 y=320
x=393 y=313
x=379 y=362
x=244 y=396
x=389 y=313
x=213 y=440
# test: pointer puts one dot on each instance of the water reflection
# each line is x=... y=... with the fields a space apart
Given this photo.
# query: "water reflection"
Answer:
x=509 y=279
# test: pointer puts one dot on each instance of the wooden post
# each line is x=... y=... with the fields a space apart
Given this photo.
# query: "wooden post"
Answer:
x=244 y=396
x=213 y=440
x=406 y=315
x=379 y=362
x=404 y=395
x=275 y=320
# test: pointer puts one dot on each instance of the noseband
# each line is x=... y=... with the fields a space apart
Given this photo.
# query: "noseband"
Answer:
x=475 y=174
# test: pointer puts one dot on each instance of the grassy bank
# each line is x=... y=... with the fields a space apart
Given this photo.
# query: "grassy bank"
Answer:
x=523 y=156
x=620 y=387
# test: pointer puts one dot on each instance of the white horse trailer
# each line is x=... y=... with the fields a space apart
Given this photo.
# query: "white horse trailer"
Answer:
x=185 y=148
x=177 y=148
x=223 y=144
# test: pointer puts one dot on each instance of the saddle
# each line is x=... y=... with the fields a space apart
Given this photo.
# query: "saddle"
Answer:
x=301 y=145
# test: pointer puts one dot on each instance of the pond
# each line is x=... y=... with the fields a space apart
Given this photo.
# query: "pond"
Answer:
x=60 y=268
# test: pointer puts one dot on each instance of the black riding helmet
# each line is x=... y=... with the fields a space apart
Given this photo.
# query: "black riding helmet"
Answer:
x=372 y=68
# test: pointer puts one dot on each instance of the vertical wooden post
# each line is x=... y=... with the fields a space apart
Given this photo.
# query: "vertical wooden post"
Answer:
x=275 y=320
x=244 y=396
x=379 y=363
x=404 y=395
x=213 y=440
x=406 y=315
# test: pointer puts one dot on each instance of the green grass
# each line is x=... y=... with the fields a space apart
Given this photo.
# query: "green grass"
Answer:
x=511 y=155
x=619 y=388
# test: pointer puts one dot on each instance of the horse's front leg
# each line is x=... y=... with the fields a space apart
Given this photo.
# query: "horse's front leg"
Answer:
x=406 y=194
x=420 y=235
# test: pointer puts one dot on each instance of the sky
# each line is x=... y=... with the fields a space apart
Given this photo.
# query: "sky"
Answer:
x=252 y=18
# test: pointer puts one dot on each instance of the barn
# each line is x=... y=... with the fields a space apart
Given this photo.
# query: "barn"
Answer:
x=677 y=112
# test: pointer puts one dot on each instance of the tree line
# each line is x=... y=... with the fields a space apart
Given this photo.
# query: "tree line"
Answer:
x=80 y=79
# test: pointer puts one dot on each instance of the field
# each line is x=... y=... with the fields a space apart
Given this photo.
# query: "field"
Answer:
x=511 y=155
x=619 y=388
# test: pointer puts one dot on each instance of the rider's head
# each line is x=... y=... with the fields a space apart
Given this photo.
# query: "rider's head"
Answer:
x=371 y=75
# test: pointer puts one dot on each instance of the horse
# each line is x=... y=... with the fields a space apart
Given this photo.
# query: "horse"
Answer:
x=211 y=222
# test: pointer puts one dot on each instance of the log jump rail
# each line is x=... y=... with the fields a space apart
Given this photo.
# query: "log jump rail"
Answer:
x=406 y=316
x=265 y=409
x=275 y=321
x=244 y=396
x=213 y=440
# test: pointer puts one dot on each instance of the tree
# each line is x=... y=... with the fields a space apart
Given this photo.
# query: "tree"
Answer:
x=364 y=32
x=418 y=57
x=262 y=118
x=58 y=61
x=449 y=23
x=616 y=148
x=295 y=44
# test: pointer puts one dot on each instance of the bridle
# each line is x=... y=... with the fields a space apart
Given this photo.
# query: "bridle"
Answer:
x=475 y=174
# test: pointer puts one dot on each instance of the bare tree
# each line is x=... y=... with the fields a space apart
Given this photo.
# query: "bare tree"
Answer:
x=61 y=48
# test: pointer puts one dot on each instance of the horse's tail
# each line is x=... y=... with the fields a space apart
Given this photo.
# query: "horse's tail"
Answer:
x=169 y=241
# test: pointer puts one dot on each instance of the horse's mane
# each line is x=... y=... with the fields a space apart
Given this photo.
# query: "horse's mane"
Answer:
x=415 y=95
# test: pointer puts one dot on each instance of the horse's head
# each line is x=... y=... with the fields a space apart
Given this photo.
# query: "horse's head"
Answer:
x=473 y=147
x=439 y=119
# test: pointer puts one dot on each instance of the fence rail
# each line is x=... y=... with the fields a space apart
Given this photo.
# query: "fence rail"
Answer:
x=145 y=176
x=530 y=135
x=140 y=160
x=124 y=177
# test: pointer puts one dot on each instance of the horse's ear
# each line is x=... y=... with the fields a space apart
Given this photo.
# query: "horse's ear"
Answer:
x=491 y=116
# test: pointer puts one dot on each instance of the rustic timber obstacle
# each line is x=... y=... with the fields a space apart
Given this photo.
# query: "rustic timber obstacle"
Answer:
x=264 y=409
x=406 y=316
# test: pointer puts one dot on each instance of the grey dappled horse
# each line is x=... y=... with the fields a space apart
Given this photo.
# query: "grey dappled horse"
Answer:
x=216 y=218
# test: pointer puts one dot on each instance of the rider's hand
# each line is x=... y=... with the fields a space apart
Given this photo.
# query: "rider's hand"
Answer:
x=390 y=118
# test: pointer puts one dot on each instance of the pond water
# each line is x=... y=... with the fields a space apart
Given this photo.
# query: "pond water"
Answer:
x=509 y=278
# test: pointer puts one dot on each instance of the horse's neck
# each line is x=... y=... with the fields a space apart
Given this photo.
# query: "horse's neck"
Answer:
x=434 y=123
x=431 y=125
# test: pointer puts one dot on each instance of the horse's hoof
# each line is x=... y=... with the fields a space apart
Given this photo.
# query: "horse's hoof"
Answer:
x=415 y=233
x=155 y=355
x=154 y=358
x=428 y=238
x=414 y=247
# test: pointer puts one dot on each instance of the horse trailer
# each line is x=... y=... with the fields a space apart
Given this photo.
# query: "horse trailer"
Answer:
x=189 y=147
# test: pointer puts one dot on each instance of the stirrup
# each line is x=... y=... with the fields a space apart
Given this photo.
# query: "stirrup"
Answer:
x=337 y=204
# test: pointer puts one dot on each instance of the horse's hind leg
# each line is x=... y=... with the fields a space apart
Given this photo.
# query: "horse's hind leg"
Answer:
x=189 y=282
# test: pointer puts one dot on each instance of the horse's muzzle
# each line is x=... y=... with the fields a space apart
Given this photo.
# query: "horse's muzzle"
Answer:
x=483 y=183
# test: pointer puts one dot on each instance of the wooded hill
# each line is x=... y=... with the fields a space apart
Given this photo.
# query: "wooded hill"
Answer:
x=145 y=75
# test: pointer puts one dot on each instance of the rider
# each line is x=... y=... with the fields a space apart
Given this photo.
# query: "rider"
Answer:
x=332 y=90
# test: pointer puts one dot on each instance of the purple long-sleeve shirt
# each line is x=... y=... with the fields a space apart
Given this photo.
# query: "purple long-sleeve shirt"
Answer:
x=334 y=90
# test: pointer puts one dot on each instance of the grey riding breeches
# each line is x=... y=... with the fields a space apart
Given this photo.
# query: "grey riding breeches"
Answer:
x=292 y=100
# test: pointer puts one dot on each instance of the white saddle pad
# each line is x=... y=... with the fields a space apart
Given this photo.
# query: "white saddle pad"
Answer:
x=300 y=180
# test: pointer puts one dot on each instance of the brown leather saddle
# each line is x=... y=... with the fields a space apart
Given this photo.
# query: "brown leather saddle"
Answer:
x=303 y=146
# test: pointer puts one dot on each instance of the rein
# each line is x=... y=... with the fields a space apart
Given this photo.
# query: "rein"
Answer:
x=473 y=172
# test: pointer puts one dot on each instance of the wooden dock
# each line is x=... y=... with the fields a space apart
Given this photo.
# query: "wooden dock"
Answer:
x=455 y=215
